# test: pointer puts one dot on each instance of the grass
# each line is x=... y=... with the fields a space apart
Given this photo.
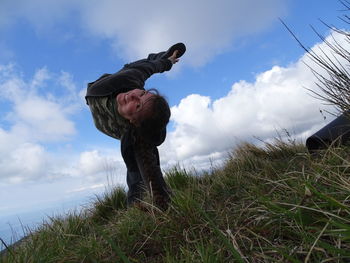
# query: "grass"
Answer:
x=275 y=203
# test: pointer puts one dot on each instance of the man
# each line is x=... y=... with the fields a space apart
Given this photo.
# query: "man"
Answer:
x=124 y=110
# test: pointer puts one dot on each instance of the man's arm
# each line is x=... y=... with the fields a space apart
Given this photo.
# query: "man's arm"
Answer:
x=155 y=63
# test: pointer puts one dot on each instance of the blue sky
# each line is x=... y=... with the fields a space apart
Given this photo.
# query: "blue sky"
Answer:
x=242 y=78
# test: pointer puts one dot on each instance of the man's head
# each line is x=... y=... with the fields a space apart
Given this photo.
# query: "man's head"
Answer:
x=145 y=109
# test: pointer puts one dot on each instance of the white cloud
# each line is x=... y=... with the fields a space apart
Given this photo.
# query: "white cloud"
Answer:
x=90 y=187
x=34 y=117
x=26 y=161
x=276 y=101
x=92 y=162
x=42 y=14
x=39 y=78
x=37 y=115
x=31 y=118
x=102 y=164
x=139 y=27
x=44 y=117
x=207 y=27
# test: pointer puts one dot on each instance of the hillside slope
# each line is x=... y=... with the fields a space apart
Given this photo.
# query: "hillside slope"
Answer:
x=271 y=204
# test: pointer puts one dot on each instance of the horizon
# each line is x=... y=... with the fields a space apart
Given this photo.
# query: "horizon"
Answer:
x=242 y=79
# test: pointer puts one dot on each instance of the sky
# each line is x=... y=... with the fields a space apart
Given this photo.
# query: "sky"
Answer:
x=242 y=79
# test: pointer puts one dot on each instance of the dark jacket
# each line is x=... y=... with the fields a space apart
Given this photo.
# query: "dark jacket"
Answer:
x=131 y=76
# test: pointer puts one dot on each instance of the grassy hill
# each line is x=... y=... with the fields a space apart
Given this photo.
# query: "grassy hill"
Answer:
x=272 y=204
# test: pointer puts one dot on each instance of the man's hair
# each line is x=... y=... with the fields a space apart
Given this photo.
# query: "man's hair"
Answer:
x=152 y=128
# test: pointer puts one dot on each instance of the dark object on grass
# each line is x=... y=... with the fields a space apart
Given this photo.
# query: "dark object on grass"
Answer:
x=336 y=132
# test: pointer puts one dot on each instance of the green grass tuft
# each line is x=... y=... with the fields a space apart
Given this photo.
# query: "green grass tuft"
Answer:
x=275 y=203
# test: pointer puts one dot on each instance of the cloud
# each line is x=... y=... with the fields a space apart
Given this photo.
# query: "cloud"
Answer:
x=94 y=162
x=34 y=116
x=30 y=118
x=37 y=114
x=136 y=28
x=278 y=100
x=207 y=27
x=41 y=14
x=26 y=161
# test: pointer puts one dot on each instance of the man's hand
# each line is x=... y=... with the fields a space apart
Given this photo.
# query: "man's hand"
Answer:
x=173 y=58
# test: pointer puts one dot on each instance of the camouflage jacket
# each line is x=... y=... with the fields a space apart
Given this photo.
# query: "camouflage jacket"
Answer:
x=131 y=76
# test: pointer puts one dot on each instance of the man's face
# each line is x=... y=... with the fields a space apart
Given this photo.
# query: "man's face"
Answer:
x=134 y=105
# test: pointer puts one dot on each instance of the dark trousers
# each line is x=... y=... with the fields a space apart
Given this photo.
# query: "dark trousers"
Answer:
x=136 y=183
